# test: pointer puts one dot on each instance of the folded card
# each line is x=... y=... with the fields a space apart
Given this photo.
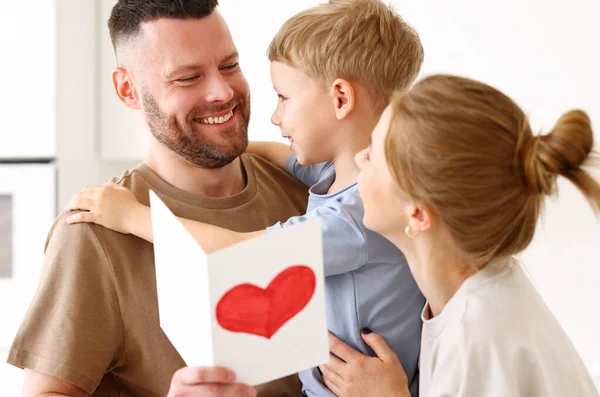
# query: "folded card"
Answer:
x=257 y=307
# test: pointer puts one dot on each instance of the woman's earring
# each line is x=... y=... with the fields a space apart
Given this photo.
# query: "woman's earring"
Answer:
x=409 y=232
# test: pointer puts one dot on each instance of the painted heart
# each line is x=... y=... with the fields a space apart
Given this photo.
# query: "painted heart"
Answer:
x=249 y=309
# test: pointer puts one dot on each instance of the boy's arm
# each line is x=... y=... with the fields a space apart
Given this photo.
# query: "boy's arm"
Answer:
x=283 y=157
x=344 y=241
x=117 y=208
x=275 y=153
x=211 y=238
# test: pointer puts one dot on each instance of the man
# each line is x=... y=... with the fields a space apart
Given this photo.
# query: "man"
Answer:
x=93 y=326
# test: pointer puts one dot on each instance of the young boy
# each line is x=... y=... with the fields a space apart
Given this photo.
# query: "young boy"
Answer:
x=334 y=68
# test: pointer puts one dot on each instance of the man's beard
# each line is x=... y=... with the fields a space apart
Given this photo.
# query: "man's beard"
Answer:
x=192 y=146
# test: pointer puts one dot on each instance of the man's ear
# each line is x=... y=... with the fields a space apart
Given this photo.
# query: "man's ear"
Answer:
x=125 y=89
x=343 y=98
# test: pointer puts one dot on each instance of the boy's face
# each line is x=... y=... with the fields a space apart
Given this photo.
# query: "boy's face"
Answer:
x=305 y=114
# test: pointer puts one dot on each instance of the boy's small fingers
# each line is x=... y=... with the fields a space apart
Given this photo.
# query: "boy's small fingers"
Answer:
x=83 y=203
x=113 y=185
x=80 y=217
x=89 y=189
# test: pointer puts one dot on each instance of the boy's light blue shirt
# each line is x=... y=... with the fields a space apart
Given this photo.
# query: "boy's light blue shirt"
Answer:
x=367 y=280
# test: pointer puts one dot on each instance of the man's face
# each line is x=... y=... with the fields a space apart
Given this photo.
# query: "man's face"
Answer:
x=194 y=96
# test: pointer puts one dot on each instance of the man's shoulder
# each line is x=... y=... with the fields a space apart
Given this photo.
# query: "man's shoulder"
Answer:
x=259 y=162
x=87 y=233
x=131 y=176
x=266 y=171
x=276 y=186
x=79 y=234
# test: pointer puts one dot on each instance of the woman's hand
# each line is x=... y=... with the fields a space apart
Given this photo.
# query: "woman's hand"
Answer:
x=111 y=205
x=360 y=375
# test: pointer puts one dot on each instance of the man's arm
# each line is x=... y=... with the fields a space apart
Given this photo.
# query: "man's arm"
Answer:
x=39 y=385
x=275 y=153
x=73 y=328
x=188 y=381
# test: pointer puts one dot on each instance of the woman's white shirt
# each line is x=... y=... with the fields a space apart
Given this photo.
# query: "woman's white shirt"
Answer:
x=496 y=337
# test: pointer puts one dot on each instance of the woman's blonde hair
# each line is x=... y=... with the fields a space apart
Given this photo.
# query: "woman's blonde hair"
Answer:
x=362 y=41
x=466 y=151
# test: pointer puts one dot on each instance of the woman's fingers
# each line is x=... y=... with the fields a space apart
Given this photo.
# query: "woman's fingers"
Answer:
x=332 y=386
x=342 y=350
x=331 y=373
x=336 y=365
x=379 y=346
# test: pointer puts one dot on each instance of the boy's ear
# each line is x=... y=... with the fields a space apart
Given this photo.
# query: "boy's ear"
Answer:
x=343 y=98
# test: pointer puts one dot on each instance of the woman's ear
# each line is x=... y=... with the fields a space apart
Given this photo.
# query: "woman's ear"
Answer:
x=343 y=98
x=125 y=88
x=420 y=218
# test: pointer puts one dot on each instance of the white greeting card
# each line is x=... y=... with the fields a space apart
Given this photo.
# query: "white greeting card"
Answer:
x=257 y=307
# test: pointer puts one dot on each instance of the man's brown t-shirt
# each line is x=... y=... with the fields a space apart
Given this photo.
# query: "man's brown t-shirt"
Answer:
x=94 y=319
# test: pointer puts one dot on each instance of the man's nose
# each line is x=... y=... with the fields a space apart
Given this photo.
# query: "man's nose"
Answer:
x=217 y=89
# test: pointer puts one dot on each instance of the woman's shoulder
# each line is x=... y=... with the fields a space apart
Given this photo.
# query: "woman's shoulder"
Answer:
x=505 y=307
x=508 y=321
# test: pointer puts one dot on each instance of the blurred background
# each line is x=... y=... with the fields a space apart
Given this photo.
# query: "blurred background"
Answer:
x=63 y=127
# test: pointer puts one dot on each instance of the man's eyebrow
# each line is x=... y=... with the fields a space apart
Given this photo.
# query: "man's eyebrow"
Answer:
x=231 y=56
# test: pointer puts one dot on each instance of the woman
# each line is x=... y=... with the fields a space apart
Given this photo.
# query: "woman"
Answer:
x=455 y=178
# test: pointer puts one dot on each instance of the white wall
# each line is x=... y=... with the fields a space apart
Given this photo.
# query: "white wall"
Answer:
x=27 y=68
x=27 y=113
x=78 y=150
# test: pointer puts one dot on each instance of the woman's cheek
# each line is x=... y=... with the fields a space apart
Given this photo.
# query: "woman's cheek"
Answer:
x=367 y=194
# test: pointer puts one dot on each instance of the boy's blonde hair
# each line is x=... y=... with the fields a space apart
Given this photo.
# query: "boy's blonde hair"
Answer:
x=363 y=41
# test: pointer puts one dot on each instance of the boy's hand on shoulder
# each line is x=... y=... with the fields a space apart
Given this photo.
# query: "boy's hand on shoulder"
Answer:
x=110 y=205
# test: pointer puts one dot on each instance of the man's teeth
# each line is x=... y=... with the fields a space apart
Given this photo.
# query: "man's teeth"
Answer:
x=217 y=120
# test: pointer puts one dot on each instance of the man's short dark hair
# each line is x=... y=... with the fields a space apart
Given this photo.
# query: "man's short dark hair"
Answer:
x=127 y=15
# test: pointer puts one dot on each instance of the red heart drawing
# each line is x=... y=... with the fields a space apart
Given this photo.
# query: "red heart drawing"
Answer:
x=253 y=310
